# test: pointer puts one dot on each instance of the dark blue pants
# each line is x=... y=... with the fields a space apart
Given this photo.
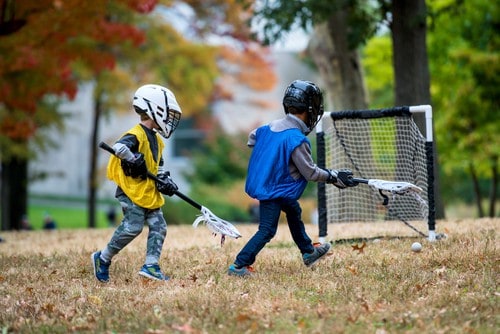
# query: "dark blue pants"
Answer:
x=270 y=211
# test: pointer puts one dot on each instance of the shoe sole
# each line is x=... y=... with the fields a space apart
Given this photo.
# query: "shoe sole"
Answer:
x=238 y=274
x=146 y=275
x=318 y=259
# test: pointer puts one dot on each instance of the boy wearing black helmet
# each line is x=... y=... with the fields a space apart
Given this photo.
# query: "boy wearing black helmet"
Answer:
x=280 y=166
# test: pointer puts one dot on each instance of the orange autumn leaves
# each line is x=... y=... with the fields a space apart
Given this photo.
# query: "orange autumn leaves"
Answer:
x=50 y=36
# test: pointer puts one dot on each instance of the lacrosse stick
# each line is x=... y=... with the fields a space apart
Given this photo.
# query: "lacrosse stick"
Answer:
x=214 y=223
x=395 y=188
x=398 y=188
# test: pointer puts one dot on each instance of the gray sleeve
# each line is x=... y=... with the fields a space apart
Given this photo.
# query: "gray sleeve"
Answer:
x=251 y=138
x=301 y=163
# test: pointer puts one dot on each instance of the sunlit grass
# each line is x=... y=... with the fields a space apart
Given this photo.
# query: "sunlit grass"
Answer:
x=47 y=284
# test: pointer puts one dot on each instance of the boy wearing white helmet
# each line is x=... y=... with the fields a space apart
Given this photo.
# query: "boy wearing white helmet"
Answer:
x=138 y=151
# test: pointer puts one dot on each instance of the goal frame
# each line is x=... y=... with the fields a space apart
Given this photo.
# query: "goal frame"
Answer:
x=378 y=113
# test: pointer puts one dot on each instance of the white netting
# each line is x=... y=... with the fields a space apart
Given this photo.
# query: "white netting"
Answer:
x=388 y=148
x=216 y=224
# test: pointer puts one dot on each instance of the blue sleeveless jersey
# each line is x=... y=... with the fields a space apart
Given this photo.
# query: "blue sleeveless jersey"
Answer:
x=268 y=175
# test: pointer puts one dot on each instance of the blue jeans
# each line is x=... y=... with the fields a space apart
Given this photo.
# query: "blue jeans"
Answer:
x=270 y=211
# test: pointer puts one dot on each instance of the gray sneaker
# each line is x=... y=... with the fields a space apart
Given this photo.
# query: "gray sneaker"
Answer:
x=319 y=252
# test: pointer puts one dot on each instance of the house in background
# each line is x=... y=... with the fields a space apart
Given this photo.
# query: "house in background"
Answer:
x=67 y=167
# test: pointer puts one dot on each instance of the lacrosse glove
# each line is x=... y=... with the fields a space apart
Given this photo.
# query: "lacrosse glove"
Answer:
x=167 y=186
x=136 y=168
x=341 y=178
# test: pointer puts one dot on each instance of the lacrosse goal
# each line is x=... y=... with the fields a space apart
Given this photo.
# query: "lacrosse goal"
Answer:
x=377 y=144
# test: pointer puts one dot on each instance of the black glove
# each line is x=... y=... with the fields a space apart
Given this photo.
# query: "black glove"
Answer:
x=167 y=186
x=136 y=168
x=341 y=178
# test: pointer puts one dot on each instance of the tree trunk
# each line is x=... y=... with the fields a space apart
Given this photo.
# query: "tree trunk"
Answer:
x=14 y=191
x=494 y=185
x=411 y=68
x=93 y=162
x=477 y=190
x=341 y=71
x=339 y=68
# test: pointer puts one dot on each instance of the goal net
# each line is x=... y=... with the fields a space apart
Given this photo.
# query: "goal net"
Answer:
x=381 y=144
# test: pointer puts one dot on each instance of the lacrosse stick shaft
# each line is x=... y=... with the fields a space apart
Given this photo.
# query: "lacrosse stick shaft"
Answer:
x=153 y=177
x=356 y=179
x=216 y=224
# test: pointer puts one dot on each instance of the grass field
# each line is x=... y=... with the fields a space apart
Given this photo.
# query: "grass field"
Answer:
x=65 y=217
x=451 y=286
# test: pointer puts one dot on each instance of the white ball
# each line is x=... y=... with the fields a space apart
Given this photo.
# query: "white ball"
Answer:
x=416 y=247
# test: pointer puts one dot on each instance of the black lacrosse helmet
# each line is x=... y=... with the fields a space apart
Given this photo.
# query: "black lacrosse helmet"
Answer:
x=305 y=95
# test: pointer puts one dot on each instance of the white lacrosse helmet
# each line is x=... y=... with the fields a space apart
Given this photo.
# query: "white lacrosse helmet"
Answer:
x=160 y=105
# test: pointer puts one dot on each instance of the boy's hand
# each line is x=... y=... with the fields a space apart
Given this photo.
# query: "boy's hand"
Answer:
x=167 y=186
x=341 y=178
x=136 y=168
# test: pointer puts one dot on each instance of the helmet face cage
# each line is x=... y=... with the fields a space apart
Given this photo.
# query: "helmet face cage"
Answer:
x=305 y=95
x=171 y=123
x=160 y=105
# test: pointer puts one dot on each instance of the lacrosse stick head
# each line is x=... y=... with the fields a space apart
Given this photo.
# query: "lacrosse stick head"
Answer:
x=216 y=224
x=394 y=187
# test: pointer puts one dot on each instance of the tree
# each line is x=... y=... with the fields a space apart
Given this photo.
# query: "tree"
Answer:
x=333 y=47
x=464 y=45
x=41 y=40
x=411 y=71
x=377 y=64
x=463 y=66
x=360 y=20
x=189 y=69
x=239 y=56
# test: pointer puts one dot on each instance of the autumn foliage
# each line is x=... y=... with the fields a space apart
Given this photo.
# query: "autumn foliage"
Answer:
x=41 y=40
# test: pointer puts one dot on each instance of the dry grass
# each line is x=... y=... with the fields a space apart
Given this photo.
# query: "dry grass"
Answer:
x=47 y=284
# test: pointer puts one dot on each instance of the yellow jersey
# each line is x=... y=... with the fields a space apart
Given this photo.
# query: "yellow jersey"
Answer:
x=141 y=192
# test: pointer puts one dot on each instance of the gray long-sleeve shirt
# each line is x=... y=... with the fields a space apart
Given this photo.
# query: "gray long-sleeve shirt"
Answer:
x=301 y=162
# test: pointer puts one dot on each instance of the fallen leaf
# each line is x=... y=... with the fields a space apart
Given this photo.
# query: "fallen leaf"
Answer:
x=353 y=270
x=242 y=317
x=95 y=300
x=360 y=249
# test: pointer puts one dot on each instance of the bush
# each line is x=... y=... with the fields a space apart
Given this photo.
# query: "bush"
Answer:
x=179 y=212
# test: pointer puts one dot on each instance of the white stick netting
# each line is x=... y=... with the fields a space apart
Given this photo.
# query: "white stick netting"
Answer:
x=216 y=224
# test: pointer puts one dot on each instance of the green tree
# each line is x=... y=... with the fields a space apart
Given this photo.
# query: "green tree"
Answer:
x=338 y=29
x=464 y=48
x=377 y=64
x=341 y=28
x=463 y=59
